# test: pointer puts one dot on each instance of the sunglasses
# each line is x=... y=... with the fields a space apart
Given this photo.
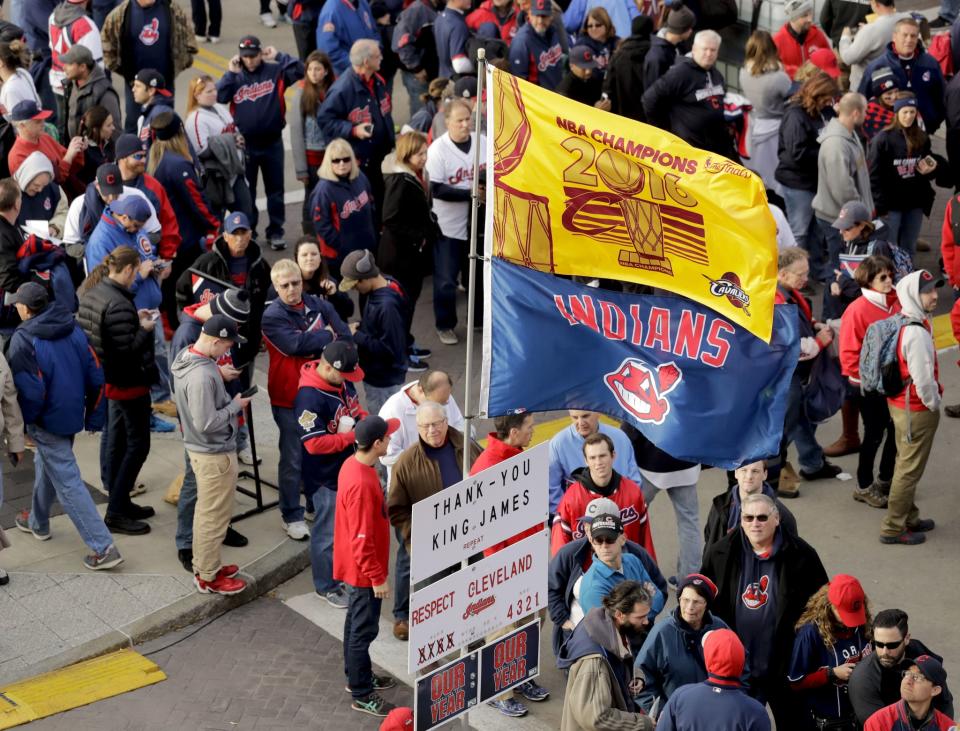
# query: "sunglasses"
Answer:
x=883 y=277
x=887 y=645
x=139 y=156
x=339 y=160
x=595 y=25
x=604 y=541
x=761 y=518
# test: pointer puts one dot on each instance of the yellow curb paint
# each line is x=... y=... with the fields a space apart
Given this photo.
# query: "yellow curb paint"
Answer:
x=215 y=58
x=215 y=71
x=75 y=686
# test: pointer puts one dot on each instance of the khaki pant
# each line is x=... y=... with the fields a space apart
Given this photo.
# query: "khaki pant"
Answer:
x=216 y=482
x=902 y=511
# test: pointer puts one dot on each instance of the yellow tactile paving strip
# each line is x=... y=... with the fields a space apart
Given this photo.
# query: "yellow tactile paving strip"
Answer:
x=75 y=686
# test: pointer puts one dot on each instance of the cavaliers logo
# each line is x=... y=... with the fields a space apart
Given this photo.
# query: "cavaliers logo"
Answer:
x=728 y=286
x=755 y=595
x=642 y=391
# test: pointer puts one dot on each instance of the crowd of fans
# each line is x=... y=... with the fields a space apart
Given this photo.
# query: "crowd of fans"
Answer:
x=135 y=287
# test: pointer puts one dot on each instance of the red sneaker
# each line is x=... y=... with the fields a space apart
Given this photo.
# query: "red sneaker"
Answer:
x=221 y=585
x=228 y=571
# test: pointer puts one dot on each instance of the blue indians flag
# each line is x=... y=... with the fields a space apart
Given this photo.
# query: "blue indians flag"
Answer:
x=697 y=386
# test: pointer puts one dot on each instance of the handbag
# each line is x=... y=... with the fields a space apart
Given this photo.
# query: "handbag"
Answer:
x=825 y=389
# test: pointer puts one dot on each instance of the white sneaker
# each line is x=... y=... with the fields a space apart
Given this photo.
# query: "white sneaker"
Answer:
x=214 y=39
x=268 y=20
x=448 y=337
x=201 y=39
x=309 y=516
x=246 y=456
x=297 y=530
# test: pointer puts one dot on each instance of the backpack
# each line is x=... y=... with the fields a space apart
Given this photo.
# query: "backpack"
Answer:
x=879 y=363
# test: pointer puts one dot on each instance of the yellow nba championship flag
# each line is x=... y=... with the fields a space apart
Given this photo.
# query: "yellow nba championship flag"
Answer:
x=575 y=190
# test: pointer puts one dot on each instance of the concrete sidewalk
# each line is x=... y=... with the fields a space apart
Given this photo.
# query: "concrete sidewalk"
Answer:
x=55 y=612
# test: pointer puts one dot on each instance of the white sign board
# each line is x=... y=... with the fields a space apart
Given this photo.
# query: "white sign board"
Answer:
x=478 y=600
x=479 y=512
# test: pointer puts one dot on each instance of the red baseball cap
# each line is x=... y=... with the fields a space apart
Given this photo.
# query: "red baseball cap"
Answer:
x=826 y=60
x=847 y=597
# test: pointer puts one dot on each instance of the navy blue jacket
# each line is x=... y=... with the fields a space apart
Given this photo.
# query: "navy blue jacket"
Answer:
x=926 y=81
x=451 y=34
x=179 y=178
x=536 y=58
x=410 y=38
x=340 y=25
x=661 y=56
x=567 y=566
x=382 y=337
x=58 y=376
x=798 y=147
x=319 y=408
x=352 y=101
x=256 y=97
x=343 y=216
x=36 y=25
x=157 y=105
x=710 y=705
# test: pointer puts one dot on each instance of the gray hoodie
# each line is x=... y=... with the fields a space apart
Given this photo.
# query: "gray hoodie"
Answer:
x=842 y=172
x=857 y=51
x=916 y=346
x=208 y=415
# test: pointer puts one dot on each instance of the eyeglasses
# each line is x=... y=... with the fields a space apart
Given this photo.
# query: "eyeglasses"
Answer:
x=913 y=677
x=604 y=541
x=290 y=285
x=434 y=425
x=595 y=25
x=340 y=160
x=761 y=518
x=887 y=645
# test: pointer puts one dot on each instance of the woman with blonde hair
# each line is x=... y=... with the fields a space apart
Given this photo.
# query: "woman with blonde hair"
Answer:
x=767 y=86
x=342 y=206
x=832 y=634
x=205 y=118
x=171 y=163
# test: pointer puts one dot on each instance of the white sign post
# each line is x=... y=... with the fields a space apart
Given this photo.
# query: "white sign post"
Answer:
x=479 y=512
x=478 y=600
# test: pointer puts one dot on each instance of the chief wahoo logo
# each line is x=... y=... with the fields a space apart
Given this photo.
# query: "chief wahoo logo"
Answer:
x=640 y=390
x=755 y=595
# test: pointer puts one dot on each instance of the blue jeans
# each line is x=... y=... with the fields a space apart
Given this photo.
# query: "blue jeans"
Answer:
x=376 y=396
x=401 y=581
x=18 y=11
x=268 y=161
x=687 y=510
x=186 y=505
x=161 y=389
x=800 y=430
x=57 y=477
x=288 y=471
x=414 y=88
x=321 y=541
x=360 y=628
x=833 y=246
x=904 y=228
x=447 y=255
x=799 y=204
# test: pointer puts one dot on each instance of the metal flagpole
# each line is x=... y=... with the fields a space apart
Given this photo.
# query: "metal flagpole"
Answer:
x=468 y=409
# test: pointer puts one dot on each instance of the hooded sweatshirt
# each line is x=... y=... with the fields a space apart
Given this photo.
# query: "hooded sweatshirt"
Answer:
x=69 y=26
x=382 y=337
x=756 y=611
x=700 y=706
x=622 y=490
x=916 y=351
x=209 y=416
x=842 y=172
x=623 y=81
x=599 y=667
x=42 y=206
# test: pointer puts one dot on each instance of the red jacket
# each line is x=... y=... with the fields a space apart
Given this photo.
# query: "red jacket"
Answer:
x=573 y=506
x=496 y=452
x=791 y=53
x=169 y=228
x=859 y=315
x=486 y=14
x=895 y=718
x=361 y=531
x=948 y=247
x=51 y=149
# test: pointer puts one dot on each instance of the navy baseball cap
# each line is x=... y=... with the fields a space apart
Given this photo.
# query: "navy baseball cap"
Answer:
x=541 y=7
x=134 y=206
x=931 y=669
x=236 y=221
x=249 y=46
x=373 y=428
x=33 y=295
x=342 y=355
x=153 y=79
x=583 y=57
x=28 y=109
x=109 y=179
x=223 y=327
x=606 y=525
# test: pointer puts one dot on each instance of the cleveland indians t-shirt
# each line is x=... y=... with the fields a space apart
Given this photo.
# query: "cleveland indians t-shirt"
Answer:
x=756 y=614
x=150 y=28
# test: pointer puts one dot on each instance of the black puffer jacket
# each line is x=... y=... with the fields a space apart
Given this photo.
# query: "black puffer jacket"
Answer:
x=798 y=148
x=109 y=318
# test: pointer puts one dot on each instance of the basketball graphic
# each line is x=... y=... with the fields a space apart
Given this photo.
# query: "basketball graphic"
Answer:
x=619 y=173
x=512 y=131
